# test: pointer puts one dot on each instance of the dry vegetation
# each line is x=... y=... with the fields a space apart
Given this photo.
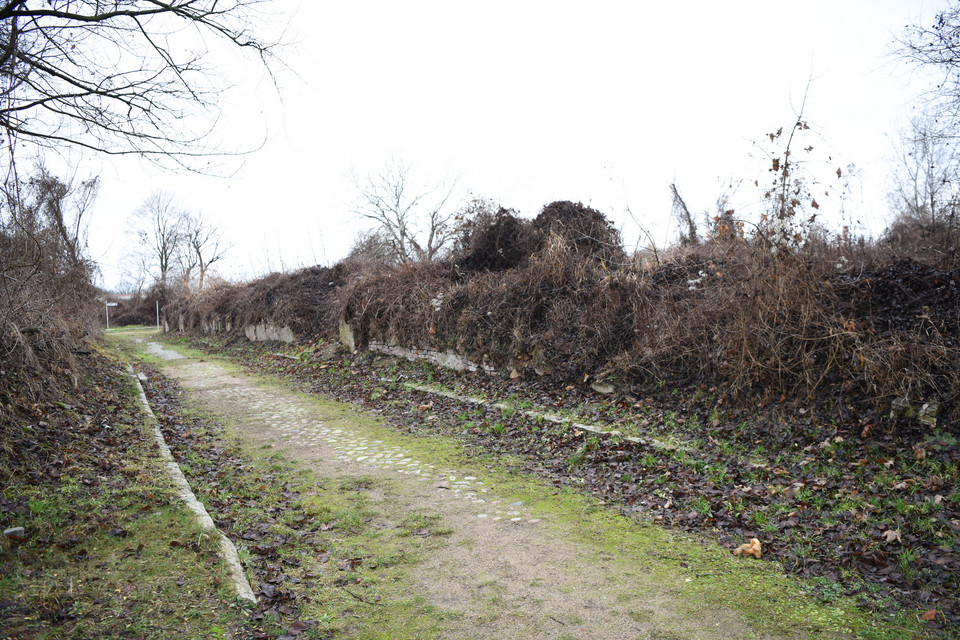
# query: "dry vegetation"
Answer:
x=855 y=325
x=47 y=301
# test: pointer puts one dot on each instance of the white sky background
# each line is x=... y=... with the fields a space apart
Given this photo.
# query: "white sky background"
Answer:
x=531 y=102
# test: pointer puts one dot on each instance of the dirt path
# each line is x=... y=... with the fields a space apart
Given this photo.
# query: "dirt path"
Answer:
x=505 y=571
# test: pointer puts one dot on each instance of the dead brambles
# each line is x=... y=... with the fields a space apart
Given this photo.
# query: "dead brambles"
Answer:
x=828 y=320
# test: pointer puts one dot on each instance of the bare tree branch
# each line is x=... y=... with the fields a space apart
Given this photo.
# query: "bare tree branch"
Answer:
x=416 y=223
x=681 y=210
x=159 y=225
x=120 y=76
x=205 y=244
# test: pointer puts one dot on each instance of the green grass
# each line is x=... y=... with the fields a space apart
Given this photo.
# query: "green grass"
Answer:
x=359 y=561
x=771 y=601
x=112 y=554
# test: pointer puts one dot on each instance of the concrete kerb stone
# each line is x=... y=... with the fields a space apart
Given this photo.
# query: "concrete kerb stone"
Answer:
x=229 y=551
x=549 y=417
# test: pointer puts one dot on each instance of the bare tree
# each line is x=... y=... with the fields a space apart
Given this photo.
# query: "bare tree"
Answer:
x=159 y=225
x=173 y=244
x=926 y=195
x=927 y=178
x=416 y=222
x=64 y=204
x=135 y=273
x=937 y=47
x=186 y=259
x=204 y=244
x=116 y=76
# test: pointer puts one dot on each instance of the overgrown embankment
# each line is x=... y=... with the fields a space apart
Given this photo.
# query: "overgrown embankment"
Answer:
x=48 y=302
x=855 y=329
x=814 y=379
x=96 y=543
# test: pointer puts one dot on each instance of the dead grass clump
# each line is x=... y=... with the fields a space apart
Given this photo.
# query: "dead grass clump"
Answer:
x=587 y=232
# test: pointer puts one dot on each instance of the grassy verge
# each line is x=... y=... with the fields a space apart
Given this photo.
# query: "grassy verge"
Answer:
x=858 y=513
x=106 y=550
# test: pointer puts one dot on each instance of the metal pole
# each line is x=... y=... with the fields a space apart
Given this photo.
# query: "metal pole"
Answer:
x=158 y=315
x=106 y=307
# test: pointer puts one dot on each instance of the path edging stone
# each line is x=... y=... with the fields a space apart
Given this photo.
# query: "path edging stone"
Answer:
x=227 y=548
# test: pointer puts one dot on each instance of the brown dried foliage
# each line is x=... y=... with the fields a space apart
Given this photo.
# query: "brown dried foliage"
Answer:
x=48 y=308
x=304 y=300
x=830 y=319
x=825 y=319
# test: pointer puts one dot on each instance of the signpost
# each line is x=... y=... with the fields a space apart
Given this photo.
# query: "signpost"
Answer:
x=106 y=307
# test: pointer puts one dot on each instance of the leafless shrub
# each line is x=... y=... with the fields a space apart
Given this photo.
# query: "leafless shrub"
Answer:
x=47 y=299
x=587 y=230
x=370 y=248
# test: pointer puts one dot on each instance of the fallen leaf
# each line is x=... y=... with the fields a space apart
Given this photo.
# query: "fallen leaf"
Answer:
x=751 y=548
x=891 y=535
x=297 y=628
x=929 y=615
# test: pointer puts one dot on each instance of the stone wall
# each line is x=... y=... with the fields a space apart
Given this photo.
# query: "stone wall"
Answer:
x=447 y=359
x=260 y=332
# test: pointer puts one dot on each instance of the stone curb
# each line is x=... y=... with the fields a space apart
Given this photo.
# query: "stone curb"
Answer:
x=653 y=443
x=549 y=417
x=227 y=549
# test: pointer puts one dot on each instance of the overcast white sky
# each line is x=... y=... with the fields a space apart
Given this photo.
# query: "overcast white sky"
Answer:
x=530 y=102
